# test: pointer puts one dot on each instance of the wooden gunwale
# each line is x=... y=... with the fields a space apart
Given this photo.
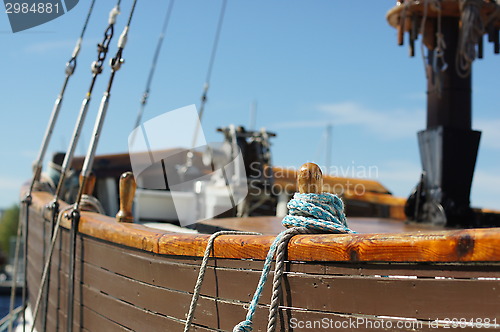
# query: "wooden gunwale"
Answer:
x=470 y=245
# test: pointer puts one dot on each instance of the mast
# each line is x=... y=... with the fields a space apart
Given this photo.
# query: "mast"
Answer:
x=452 y=32
x=253 y=115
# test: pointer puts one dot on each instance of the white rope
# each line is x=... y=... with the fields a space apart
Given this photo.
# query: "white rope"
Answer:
x=471 y=30
x=422 y=32
x=92 y=204
x=439 y=64
x=201 y=275
x=113 y=14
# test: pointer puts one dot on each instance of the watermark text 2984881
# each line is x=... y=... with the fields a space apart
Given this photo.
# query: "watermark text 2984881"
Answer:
x=35 y=8
x=26 y=14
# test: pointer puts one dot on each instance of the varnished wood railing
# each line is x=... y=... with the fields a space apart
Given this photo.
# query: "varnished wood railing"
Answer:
x=472 y=245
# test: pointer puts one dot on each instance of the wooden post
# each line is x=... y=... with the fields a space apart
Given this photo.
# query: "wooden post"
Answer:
x=310 y=179
x=127 y=192
x=89 y=184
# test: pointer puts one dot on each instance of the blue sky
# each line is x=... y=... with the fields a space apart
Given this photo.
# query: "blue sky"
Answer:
x=306 y=63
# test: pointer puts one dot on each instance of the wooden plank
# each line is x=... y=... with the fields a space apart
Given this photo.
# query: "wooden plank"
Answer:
x=158 y=299
x=308 y=291
x=225 y=309
x=90 y=321
x=130 y=316
x=95 y=322
x=144 y=261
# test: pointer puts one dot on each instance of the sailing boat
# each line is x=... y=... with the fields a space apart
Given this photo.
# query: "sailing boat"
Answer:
x=101 y=272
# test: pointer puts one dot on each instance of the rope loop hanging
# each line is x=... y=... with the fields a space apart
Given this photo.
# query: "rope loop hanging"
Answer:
x=471 y=30
x=308 y=213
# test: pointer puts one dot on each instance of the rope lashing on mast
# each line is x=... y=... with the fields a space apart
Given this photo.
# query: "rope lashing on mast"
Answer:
x=438 y=64
x=471 y=30
x=154 y=62
x=69 y=70
x=473 y=23
x=308 y=213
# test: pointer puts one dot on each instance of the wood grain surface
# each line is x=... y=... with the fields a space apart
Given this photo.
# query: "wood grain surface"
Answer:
x=474 y=245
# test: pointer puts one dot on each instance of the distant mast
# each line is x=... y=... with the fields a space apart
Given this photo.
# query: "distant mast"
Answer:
x=253 y=115
x=328 y=155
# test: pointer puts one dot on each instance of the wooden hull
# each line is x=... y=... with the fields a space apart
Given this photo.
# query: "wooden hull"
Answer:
x=129 y=277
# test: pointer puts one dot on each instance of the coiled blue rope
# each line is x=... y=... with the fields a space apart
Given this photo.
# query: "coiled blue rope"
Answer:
x=307 y=213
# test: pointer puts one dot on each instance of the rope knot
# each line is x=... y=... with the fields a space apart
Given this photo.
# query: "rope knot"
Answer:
x=322 y=212
x=244 y=326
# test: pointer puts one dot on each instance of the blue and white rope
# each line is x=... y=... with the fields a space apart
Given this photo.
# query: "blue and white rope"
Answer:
x=308 y=213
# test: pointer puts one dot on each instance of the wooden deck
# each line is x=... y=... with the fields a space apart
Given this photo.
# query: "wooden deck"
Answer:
x=272 y=225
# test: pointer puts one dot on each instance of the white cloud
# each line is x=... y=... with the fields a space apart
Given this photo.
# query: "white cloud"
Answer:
x=49 y=46
x=399 y=176
x=56 y=45
x=385 y=123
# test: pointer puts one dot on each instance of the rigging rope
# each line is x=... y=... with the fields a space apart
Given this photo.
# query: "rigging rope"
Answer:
x=96 y=68
x=145 y=95
x=471 y=30
x=115 y=64
x=206 y=85
x=70 y=69
x=438 y=64
x=308 y=213
x=201 y=275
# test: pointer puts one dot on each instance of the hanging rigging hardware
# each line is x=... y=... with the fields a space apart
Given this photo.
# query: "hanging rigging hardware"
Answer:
x=96 y=69
x=115 y=64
